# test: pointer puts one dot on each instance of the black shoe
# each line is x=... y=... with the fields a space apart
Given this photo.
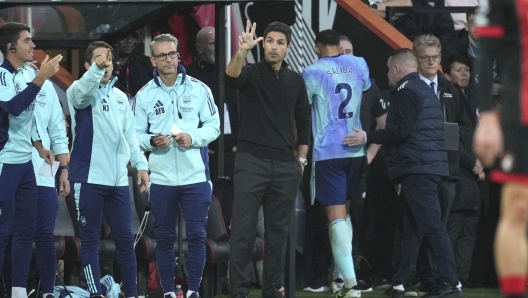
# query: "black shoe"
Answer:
x=395 y=293
x=195 y=295
x=317 y=284
x=444 y=290
x=426 y=288
x=379 y=282
x=50 y=296
x=410 y=290
x=362 y=286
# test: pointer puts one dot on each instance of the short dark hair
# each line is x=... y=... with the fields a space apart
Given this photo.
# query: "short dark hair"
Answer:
x=344 y=37
x=405 y=56
x=94 y=45
x=10 y=33
x=402 y=52
x=471 y=11
x=448 y=63
x=279 y=27
x=327 y=37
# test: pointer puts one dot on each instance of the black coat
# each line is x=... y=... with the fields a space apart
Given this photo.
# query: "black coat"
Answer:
x=440 y=25
x=454 y=109
x=424 y=150
x=140 y=72
x=468 y=195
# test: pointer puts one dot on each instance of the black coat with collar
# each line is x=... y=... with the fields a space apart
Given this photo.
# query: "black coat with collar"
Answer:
x=454 y=110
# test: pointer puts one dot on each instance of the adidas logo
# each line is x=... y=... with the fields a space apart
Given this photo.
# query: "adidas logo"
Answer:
x=158 y=104
x=158 y=108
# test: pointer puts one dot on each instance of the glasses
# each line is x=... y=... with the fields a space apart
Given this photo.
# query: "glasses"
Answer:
x=163 y=57
x=435 y=58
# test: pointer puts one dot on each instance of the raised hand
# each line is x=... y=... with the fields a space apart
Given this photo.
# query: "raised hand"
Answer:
x=104 y=61
x=48 y=68
x=246 y=40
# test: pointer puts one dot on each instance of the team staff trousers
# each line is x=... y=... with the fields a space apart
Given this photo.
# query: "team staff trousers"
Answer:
x=18 y=217
x=272 y=184
x=92 y=200
x=165 y=201
x=422 y=218
x=46 y=255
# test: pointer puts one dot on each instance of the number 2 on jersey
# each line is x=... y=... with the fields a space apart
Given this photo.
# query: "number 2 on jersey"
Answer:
x=348 y=96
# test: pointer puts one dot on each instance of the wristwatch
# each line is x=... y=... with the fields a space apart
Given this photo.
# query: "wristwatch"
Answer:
x=303 y=161
x=63 y=167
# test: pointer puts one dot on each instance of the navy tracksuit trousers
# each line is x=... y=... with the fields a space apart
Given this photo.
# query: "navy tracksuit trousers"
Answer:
x=18 y=213
x=194 y=200
x=92 y=200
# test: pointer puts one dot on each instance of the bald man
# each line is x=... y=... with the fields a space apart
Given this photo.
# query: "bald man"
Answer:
x=416 y=161
x=204 y=70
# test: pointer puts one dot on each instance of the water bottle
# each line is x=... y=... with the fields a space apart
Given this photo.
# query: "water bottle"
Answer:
x=179 y=292
x=102 y=29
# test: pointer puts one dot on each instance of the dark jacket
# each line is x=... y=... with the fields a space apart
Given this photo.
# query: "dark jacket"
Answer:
x=272 y=105
x=414 y=131
x=204 y=72
x=468 y=195
x=440 y=25
x=454 y=111
x=140 y=72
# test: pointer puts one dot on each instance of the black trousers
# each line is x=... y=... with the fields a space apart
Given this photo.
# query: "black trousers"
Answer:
x=422 y=218
x=462 y=229
x=382 y=209
x=427 y=271
x=272 y=184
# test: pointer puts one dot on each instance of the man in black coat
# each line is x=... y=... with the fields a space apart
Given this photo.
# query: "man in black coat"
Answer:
x=417 y=160
x=133 y=69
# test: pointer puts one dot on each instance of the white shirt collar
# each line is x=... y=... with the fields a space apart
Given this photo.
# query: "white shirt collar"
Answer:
x=435 y=80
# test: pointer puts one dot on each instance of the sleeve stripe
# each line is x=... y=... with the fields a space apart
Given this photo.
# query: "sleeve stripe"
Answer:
x=490 y=31
x=211 y=104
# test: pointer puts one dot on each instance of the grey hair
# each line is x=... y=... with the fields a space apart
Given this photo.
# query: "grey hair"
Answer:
x=427 y=40
x=163 y=38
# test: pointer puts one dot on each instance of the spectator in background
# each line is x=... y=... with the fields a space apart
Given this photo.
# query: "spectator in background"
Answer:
x=132 y=69
x=466 y=44
x=178 y=162
x=413 y=25
x=459 y=19
x=204 y=70
x=268 y=169
x=345 y=45
x=465 y=213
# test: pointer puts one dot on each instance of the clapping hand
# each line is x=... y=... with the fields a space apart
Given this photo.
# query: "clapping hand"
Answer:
x=48 y=68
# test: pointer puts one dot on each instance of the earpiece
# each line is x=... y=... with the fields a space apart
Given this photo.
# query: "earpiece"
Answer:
x=12 y=48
